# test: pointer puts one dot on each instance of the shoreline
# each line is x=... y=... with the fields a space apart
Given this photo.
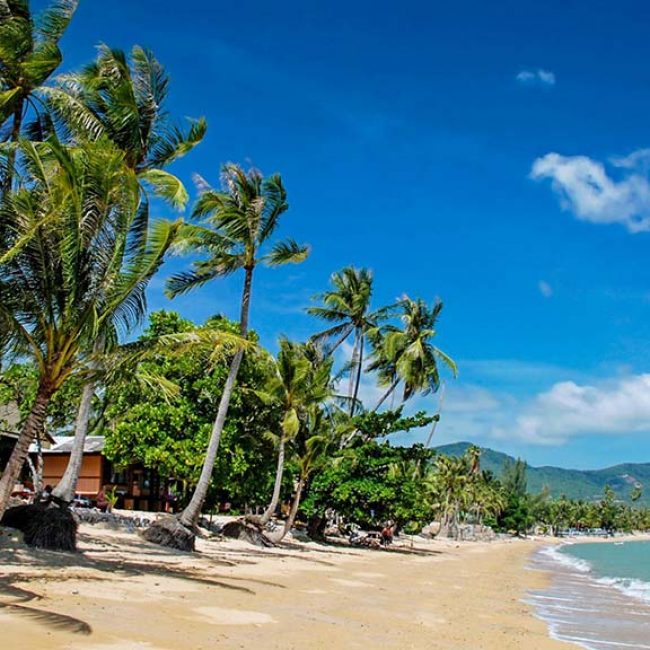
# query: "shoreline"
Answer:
x=440 y=594
x=573 y=604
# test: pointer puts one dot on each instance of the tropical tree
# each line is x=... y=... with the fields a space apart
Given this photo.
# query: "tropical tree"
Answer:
x=235 y=227
x=315 y=440
x=170 y=435
x=287 y=387
x=69 y=266
x=124 y=102
x=407 y=355
x=347 y=307
x=369 y=484
x=29 y=55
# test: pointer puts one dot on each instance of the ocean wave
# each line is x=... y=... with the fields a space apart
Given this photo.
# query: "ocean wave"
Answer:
x=554 y=553
x=639 y=589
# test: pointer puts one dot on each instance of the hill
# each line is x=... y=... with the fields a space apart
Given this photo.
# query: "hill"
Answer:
x=574 y=483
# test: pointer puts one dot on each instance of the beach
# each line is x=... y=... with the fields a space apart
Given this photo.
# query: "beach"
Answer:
x=124 y=593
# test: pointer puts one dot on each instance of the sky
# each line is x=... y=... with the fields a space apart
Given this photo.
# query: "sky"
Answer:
x=494 y=155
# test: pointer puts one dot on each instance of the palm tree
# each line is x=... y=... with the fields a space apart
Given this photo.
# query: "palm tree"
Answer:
x=347 y=305
x=68 y=267
x=29 y=55
x=298 y=384
x=125 y=103
x=406 y=355
x=237 y=223
x=316 y=437
x=285 y=387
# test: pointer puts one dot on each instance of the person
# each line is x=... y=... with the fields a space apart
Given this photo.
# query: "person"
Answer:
x=102 y=501
x=46 y=494
x=387 y=534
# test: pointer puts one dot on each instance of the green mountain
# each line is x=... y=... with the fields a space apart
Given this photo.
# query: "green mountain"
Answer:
x=574 y=483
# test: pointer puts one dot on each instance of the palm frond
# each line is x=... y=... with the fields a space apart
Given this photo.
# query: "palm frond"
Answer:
x=166 y=186
x=286 y=252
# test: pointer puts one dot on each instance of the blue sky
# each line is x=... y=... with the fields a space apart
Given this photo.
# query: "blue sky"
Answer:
x=493 y=156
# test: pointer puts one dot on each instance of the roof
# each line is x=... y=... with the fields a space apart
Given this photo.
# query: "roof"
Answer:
x=63 y=445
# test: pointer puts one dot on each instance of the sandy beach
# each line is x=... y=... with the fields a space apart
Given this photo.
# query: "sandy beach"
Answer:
x=123 y=593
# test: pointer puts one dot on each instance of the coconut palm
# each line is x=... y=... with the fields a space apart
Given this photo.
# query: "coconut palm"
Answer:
x=29 y=55
x=347 y=306
x=285 y=387
x=69 y=269
x=297 y=383
x=407 y=355
x=235 y=227
x=124 y=102
x=316 y=438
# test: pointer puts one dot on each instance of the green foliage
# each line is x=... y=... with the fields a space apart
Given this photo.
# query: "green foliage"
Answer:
x=371 y=484
x=376 y=425
x=18 y=384
x=171 y=436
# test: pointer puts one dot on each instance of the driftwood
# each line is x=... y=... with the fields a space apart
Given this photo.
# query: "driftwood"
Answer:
x=44 y=526
x=169 y=532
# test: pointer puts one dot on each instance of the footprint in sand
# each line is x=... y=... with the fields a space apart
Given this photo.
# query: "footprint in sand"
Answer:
x=223 y=616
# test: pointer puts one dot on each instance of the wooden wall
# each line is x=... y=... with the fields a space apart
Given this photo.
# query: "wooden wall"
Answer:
x=91 y=478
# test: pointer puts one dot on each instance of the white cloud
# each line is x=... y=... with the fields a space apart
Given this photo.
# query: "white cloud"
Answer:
x=545 y=288
x=591 y=194
x=568 y=409
x=536 y=77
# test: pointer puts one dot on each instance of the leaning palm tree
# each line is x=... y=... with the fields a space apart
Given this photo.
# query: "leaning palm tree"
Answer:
x=407 y=355
x=315 y=440
x=301 y=380
x=285 y=387
x=124 y=102
x=29 y=55
x=68 y=266
x=235 y=228
x=347 y=306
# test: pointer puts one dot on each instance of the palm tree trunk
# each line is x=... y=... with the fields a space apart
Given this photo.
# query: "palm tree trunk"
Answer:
x=268 y=513
x=386 y=395
x=339 y=342
x=190 y=515
x=357 y=381
x=435 y=422
x=292 y=513
x=14 y=137
x=36 y=468
x=67 y=486
x=353 y=365
x=33 y=425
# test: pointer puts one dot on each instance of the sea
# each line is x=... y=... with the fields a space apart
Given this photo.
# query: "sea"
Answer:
x=599 y=595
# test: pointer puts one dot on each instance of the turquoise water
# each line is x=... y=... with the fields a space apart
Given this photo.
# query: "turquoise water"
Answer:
x=599 y=596
x=616 y=560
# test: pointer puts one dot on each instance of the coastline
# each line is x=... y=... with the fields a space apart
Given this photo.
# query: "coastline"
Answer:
x=438 y=594
x=589 y=610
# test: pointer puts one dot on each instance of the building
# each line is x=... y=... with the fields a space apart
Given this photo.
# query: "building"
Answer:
x=137 y=487
x=95 y=469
